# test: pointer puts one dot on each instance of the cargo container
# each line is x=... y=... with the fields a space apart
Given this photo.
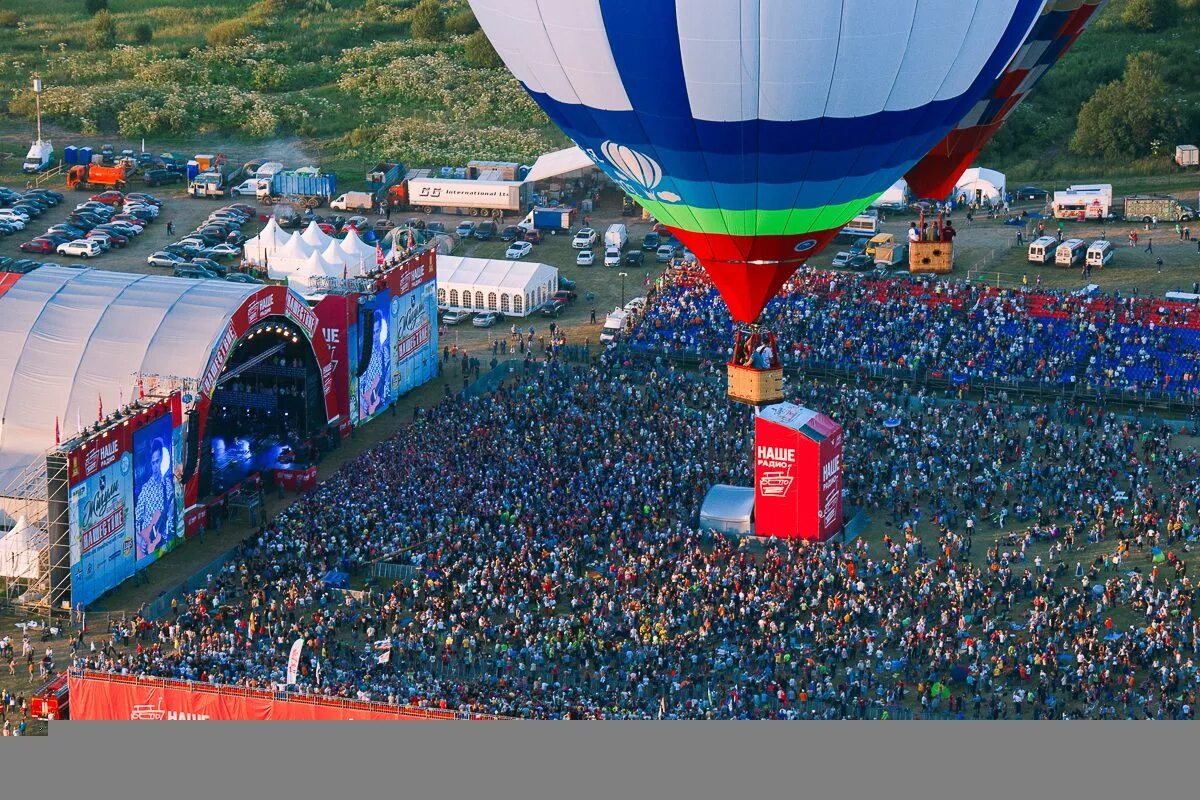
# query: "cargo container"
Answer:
x=487 y=198
x=548 y=219
x=1160 y=208
x=304 y=189
x=1187 y=155
x=97 y=176
x=384 y=175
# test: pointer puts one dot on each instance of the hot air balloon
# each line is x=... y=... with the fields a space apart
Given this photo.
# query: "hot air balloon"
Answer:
x=1058 y=27
x=755 y=129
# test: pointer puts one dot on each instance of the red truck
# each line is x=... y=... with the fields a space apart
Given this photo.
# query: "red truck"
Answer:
x=96 y=176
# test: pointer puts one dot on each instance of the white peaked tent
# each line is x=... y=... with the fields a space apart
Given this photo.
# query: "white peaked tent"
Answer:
x=355 y=249
x=315 y=237
x=262 y=247
x=303 y=279
x=979 y=183
x=19 y=551
x=289 y=258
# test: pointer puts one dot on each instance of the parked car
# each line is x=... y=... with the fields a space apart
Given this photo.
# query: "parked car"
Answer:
x=566 y=283
x=241 y=277
x=117 y=239
x=455 y=316
x=210 y=265
x=566 y=295
x=161 y=177
x=842 y=258
x=634 y=258
x=53 y=197
x=433 y=227
x=485 y=320
x=100 y=238
x=39 y=245
x=1032 y=193
x=112 y=197
x=189 y=271
x=86 y=248
x=664 y=253
x=860 y=262
x=383 y=225
x=533 y=236
x=73 y=231
x=485 y=231
x=465 y=230
x=223 y=250
x=5 y=261
x=584 y=239
x=585 y=258
x=554 y=307
x=518 y=250
x=859 y=246
x=22 y=266
x=164 y=258
x=143 y=197
x=651 y=241
x=511 y=234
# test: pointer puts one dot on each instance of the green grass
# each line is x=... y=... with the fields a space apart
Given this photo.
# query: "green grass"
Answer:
x=287 y=80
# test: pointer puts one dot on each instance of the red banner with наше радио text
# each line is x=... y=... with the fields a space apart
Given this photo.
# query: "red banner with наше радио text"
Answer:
x=105 y=696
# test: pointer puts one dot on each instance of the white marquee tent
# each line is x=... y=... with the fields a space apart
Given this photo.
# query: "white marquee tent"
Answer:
x=514 y=288
x=73 y=339
x=979 y=184
x=259 y=249
x=568 y=163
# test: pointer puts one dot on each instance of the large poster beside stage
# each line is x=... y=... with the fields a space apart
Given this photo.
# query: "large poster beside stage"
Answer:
x=100 y=518
x=157 y=486
x=394 y=336
x=414 y=323
x=373 y=377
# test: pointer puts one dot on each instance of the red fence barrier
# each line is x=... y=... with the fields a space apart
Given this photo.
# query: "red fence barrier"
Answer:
x=107 y=696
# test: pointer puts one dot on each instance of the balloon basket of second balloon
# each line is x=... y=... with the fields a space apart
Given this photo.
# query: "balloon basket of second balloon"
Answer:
x=931 y=257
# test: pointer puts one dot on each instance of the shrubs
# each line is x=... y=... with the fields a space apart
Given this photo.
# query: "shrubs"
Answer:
x=427 y=20
x=143 y=33
x=480 y=52
x=94 y=7
x=104 y=32
x=226 y=33
x=9 y=19
x=462 y=24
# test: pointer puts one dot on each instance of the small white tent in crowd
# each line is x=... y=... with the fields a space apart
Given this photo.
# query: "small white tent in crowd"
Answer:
x=513 y=288
x=980 y=184
x=895 y=197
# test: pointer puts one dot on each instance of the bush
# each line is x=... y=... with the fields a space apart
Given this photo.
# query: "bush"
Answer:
x=223 y=34
x=143 y=33
x=104 y=32
x=1148 y=15
x=463 y=23
x=427 y=20
x=94 y=7
x=9 y=19
x=480 y=52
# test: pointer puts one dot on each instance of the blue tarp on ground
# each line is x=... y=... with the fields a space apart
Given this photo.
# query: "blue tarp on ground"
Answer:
x=336 y=579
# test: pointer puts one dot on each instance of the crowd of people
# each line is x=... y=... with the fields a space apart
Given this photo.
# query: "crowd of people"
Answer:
x=946 y=329
x=558 y=570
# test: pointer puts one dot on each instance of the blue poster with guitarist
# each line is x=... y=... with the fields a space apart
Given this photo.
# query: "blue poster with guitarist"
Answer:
x=156 y=510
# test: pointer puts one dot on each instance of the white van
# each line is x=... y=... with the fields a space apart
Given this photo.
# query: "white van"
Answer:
x=1041 y=251
x=616 y=236
x=613 y=325
x=1070 y=253
x=1099 y=253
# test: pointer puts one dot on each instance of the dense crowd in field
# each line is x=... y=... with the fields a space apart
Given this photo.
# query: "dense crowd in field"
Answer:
x=960 y=331
x=559 y=570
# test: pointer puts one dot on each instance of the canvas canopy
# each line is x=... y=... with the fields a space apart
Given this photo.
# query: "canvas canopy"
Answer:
x=515 y=288
x=728 y=509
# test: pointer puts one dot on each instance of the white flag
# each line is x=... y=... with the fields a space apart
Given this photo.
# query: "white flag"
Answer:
x=294 y=661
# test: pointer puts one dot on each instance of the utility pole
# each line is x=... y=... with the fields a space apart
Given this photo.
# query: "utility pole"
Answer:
x=623 y=275
x=37 y=94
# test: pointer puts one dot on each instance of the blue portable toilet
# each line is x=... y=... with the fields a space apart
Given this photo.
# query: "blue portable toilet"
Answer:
x=70 y=155
x=193 y=169
x=83 y=155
